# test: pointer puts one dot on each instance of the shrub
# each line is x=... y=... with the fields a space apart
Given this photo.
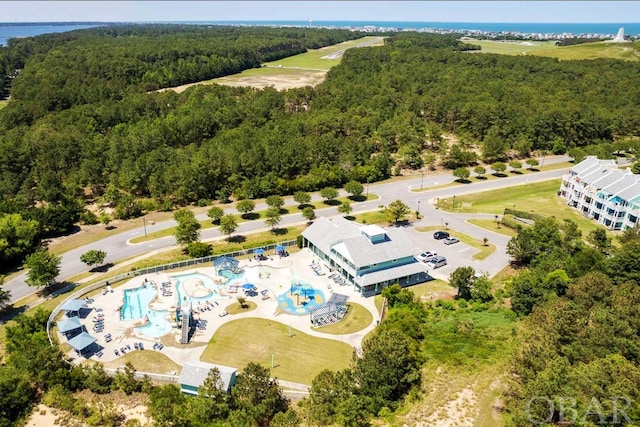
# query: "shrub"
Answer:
x=88 y=218
x=199 y=249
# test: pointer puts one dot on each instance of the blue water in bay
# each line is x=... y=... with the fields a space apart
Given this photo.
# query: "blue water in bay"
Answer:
x=9 y=30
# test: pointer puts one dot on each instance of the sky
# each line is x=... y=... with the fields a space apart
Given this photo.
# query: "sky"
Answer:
x=416 y=11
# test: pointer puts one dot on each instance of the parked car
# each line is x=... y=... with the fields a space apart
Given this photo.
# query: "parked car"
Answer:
x=438 y=235
x=224 y=313
x=437 y=262
x=426 y=256
x=451 y=240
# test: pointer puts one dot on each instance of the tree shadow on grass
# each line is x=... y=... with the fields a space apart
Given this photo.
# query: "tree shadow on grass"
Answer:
x=534 y=169
x=360 y=198
x=499 y=174
x=516 y=172
x=350 y=217
x=284 y=211
x=10 y=312
x=333 y=202
x=304 y=205
x=481 y=177
x=101 y=268
x=237 y=239
x=251 y=216
x=463 y=181
x=110 y=227
x=279 y=231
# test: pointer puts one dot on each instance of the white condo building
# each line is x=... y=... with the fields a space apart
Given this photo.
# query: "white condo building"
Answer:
x=602 y=192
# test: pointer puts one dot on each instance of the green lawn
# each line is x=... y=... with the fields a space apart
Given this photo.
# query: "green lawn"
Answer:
x=3 y=103
x=314 y=58
x=357 y=319
x=298 y=358
x=595 y=50
x=494 y=226
x=146 y=361
x=539 y=197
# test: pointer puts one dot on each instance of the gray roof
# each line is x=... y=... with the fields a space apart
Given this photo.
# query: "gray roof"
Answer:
x=73 y=305
x=82 y=341
x=194 y=373
x=590 y=162
x=616 y=187
x=66 y=325
x=347 y=238
x=608 y=179
x=632 y=190
x=390 y=274
x=596 y=174
x=325 y=232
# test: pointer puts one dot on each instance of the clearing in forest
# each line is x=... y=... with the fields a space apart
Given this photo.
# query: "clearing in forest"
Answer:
x=304 y=69
x=594 y=50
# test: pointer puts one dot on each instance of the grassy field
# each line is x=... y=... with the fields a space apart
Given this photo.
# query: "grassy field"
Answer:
x=357 y=319
x=146 y=361
x=595 y=50
x=494 y=226
x=314 y=58
x=298 y=358
x=537 y=197
x=3 y=103
x=235 y=308
x=432 y=288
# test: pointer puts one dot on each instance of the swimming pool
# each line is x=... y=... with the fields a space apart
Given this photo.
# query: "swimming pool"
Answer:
x=231 y=275
x=207 y=282
x=301 y=298
x=136 y=302
x=157 y=326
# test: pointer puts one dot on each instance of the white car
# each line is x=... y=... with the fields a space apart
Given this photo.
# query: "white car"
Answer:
x=224 y=313
x=426 y=256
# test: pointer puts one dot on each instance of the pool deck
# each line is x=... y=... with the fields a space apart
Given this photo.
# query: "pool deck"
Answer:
x=274 y=274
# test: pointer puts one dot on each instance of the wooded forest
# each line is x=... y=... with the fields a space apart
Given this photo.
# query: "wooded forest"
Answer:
x=85 y=124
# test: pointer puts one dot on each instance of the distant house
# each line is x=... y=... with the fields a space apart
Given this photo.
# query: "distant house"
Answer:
x=194 y=373
x=368 y=257
x=602 y=192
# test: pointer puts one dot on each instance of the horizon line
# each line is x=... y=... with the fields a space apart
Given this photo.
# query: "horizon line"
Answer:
x=304 y=20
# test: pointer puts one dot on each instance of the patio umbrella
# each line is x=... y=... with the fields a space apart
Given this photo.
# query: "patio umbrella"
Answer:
x=249 y=286
x=280 y=248
x=259 y=251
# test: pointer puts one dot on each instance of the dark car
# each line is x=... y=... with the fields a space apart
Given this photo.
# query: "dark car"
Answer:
x=438 y=235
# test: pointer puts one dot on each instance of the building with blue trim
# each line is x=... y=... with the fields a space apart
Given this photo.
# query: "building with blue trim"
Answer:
x=368 y=257
x=603 y=192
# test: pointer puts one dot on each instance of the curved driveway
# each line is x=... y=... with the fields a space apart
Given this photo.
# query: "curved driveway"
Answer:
x=118 y=248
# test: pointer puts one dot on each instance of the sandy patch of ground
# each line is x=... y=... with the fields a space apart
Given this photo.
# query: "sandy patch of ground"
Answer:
x=458 y=412
x=277 y=81
x=131 y=407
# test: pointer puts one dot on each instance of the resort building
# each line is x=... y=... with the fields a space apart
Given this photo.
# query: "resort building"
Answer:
x=368 y=257
x=193 y=375
x=602 y=192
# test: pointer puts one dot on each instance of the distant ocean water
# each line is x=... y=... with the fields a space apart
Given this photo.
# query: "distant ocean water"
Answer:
x=9 y=30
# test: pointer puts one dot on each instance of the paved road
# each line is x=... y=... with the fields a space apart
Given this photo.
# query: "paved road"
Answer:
x=118 y=247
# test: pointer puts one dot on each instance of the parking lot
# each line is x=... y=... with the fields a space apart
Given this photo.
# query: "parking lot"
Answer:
x=458 y=254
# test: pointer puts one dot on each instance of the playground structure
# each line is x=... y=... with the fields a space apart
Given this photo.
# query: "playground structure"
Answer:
x=332 y=312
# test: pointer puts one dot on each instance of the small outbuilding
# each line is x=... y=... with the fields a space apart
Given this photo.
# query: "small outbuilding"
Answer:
x=194 y=373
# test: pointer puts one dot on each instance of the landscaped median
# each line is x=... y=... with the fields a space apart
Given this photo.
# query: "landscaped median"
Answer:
x=290 y=209
x=484 y=249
